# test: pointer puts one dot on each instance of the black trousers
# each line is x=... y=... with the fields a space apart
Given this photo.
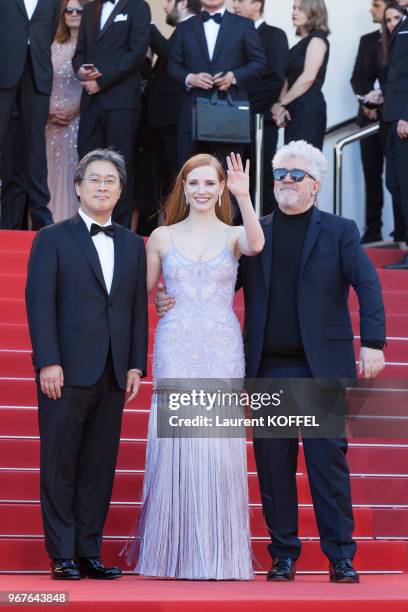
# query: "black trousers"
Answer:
x=397 y=173
x=308 y=119
x=270 y=142
x=33 y=108
x=99 y=128
x=372 y=157
x=329 y=478
x=13 y=191
x=165 y=143
x=80 y=435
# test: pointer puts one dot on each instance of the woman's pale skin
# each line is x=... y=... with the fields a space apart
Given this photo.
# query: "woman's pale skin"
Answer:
x=202 y=236
x=63 y=117
x=314 y=58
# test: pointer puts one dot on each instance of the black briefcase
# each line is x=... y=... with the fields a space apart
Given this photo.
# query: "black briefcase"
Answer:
x=221 y=120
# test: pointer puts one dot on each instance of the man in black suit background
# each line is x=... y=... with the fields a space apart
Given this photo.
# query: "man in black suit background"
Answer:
x=27 y=30
x=265 y=91
x=87 y=311
x=395 y=113
x=215 y=49
x=112 y=44
x=365 y=73
x=165 y=95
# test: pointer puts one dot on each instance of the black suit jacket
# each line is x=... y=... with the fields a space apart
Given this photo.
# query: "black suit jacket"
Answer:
x=266 y=90
x=332 y=260
x=396 y=89
x=367 y=69
x=238 y=48
x=15 y=32
x=72 y=318
x=164 y=94
x=118 y=51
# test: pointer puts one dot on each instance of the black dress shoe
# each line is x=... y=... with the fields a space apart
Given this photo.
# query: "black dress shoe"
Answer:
x=342 y=570
x=92 y=567
x=283 y=570
x=401 y=265
x=371 y=237
x=64 y=569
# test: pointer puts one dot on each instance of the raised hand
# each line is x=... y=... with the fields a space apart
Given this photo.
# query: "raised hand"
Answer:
x=238 y=178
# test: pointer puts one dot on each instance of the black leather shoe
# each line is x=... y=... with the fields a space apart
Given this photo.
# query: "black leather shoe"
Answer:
x=401 y=265
x=342 y=570
x=283 y=570
x=371 y=237
x=92 y=567
x=64 y=569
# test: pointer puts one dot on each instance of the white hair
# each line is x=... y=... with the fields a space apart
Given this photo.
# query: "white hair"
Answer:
x=300 y=148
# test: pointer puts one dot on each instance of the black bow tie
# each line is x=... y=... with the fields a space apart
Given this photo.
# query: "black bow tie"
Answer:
x=108 y=230
x=207 y=16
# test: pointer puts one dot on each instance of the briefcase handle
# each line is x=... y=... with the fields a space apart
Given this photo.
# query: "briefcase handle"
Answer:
x=214 y=98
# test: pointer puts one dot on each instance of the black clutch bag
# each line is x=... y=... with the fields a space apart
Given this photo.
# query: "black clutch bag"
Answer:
x=221 y=120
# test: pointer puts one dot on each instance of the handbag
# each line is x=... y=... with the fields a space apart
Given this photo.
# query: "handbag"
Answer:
x=221 y=120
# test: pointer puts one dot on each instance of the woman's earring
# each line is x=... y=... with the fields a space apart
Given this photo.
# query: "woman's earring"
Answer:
x=187 y=202
x=219 y=200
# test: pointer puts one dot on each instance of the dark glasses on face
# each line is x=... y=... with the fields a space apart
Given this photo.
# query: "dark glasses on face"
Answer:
x=68 y=10
x=297 y=175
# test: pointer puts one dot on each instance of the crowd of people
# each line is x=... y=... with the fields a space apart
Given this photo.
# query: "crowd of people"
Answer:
x=82 y=74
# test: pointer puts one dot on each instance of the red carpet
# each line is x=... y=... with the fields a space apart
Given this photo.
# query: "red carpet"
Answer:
x=379 y=482
x=307 y=593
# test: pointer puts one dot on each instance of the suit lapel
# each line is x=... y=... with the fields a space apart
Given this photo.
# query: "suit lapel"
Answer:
x=266 y=256
x=119 y=8
x=398 y=29
x=198 y=28
x=21 y=6
x=313 y=230
x=120 y=249
x=225 y=27
x=80 y=232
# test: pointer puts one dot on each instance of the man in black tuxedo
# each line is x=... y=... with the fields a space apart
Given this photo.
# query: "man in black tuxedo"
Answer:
x=112 y=45
x=266 y=90
x=365 y=73
x=215 y=49
x=87 y=311
x=165 y=96
x=27 y=29
x=395 y=113
x=298 y=326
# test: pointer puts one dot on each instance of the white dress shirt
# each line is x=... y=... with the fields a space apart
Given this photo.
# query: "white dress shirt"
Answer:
x=105 y=248
x=259 y=22
x=107 y=8
x=211 y=29
x=30 y=6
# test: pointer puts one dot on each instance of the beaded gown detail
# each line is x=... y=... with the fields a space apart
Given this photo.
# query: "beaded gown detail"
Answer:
x=61 y=141
x=195 y=518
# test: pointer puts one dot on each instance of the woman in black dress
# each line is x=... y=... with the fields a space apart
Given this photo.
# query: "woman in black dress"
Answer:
x=302 y=107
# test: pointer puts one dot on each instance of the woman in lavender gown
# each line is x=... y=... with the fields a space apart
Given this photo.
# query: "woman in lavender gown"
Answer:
x=62 y=127
x=195 y=518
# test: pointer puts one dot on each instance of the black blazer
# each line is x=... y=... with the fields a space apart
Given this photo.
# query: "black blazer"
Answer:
x=396 y=89
x=265 y=91
x=118 y=51
x=332 y=260
x=367 y=69
x=15 y=32
x=164 y=95
x=72 y=318
x=238 y=48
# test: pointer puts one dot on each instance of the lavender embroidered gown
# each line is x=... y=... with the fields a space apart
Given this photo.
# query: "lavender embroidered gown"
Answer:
x=195 y=518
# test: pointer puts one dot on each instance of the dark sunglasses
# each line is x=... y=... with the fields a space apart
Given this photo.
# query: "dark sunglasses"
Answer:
x=297 y=175
x=68 y=10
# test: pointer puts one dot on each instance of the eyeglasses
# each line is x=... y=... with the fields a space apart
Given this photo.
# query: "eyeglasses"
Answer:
x=297 y=175
x=68 y=10
x=96 y=182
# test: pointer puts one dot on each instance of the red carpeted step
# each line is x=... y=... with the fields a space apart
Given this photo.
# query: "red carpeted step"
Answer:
x=395 y=302
x=390 y=522
x=25 y=520
x=13 y=262
x=381 y=257
x=24 y=453
x=29 y=554
x=366 y=491
x=16 y=240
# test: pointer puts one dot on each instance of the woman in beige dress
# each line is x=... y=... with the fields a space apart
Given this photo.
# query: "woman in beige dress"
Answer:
x=62 y=127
